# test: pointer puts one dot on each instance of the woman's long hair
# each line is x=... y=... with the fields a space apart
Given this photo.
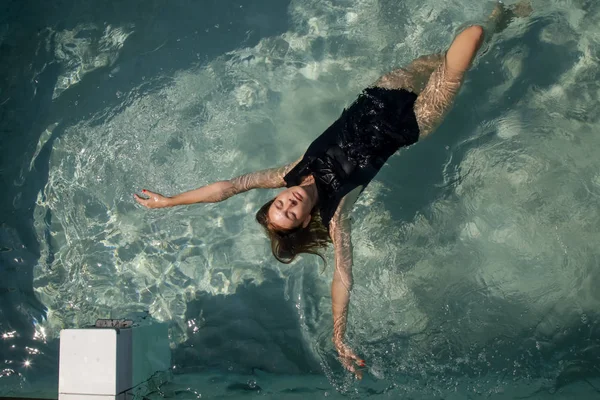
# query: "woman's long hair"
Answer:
x=287 y=244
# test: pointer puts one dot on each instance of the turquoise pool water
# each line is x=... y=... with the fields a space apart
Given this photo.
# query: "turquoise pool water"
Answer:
x=476 y=257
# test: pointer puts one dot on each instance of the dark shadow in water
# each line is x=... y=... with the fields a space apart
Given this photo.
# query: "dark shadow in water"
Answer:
x=415 y=177
x=168 y=36
x=255 y=328
x=497 y=346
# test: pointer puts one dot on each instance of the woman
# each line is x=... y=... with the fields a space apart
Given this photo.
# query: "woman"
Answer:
x=401 y=108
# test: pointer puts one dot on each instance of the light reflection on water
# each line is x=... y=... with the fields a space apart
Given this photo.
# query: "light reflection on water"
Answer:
x=474 y=251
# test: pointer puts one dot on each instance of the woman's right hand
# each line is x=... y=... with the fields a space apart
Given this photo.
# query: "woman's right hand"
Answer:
x=349 y=359
x=154 y=200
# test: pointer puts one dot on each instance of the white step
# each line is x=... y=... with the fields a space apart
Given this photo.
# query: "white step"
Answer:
x=104 y=363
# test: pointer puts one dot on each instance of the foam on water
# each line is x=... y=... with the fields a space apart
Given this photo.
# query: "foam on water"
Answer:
x=506 y=251
x=84 y=49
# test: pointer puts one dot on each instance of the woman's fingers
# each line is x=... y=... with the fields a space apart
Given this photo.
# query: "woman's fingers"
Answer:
x=348 y=363
x=154 y=200
x=140 y=200
x=348 y=359
x=347 y=352
x=360 y=362
x=149 y=193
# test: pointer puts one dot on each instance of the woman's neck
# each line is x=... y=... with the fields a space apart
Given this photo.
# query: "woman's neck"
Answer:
x=311 y=188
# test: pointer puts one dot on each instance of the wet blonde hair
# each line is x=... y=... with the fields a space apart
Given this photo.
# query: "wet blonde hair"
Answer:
x=287 y=244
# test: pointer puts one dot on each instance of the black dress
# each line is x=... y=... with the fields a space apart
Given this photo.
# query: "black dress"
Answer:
x=355 y=147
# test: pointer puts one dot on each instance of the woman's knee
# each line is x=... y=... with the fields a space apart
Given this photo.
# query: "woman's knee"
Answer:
x=464 y=48
x=474 y=33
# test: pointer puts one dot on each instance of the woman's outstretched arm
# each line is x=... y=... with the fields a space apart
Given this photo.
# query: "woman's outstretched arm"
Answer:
x=341 y=286
x=219 y=191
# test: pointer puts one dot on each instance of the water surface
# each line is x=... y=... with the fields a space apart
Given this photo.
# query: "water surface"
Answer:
x=476 y=268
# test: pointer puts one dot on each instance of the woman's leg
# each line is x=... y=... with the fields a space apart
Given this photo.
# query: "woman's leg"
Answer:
x=437 y=78
x=436 y=99
x=502 y=16
x=414 y=77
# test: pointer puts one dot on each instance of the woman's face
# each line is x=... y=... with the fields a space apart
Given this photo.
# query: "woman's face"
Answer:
x=291 y=208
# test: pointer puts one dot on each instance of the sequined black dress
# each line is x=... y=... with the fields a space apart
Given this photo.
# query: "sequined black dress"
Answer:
x=355 y=147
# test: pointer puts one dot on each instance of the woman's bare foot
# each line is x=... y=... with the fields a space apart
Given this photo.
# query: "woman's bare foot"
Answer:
x=502 y=15
x=522 y=9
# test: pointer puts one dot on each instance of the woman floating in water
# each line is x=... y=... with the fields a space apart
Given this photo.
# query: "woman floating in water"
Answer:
x=400 y=108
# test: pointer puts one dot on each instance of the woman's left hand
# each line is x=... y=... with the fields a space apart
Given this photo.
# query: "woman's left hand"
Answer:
x=154 y=200
x=349 y=359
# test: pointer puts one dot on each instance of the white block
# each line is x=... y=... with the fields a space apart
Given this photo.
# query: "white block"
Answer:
x=108 y=362
x=67 y=396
